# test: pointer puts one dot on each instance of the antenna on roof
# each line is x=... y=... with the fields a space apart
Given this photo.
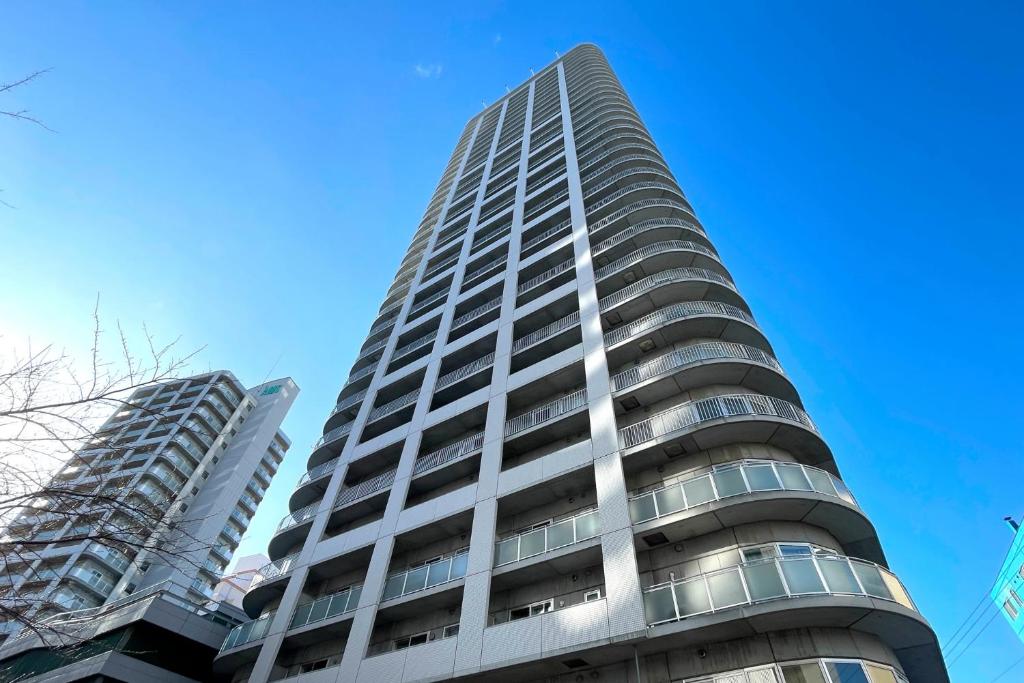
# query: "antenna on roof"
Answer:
x=508 y=89
x=531 y=73
x=557 y=56
x=483 y=104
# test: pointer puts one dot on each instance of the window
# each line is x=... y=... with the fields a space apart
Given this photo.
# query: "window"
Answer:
x=1011 y=609
x=531 y=610
x=449 y=631
x=409 y=641
x=592 y=595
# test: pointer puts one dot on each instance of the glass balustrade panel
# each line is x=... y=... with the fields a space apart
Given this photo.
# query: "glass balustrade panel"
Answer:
x=692 y=596
x=801 y=576
x=726 y=589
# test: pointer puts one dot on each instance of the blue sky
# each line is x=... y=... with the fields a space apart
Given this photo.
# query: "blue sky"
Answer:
x=248 y=176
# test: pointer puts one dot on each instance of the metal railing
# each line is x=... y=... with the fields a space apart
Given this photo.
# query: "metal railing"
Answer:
x=662 y=278
x=476 y=312
x=772 y=579
x=248 y=632
x=734 y=479
x=446 y=454
x=643 y=226
x=493 y=265
x=651 y=250
x=548 y=274
x=383 y=324
x=348 y=402
x=333 y=435
x=275 y=569
x=458 y=374
x=426 y=576
x=635 y=187
x=371 y=349
x=414 y=345
x=540 y=207
x=587 y=174
x=553 y=230
x=394 y=405
x=556 y=535
x=95 y=581
x=625 y=173
x=441 y=267
x=681 y=311
x=320 y=470
x=298 y=517
x=549 y=330
x=432 y=299
x=702 y=410
x=597 y=226
x=349 y=494
x=114 y=558
x=689 y=355
x=326 y=607
x=549 y=411
x=491 y=237
x=359 y=374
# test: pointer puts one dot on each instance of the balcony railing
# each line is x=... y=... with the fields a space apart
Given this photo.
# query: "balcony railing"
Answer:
x=299 y=516
x=491 y=237
x=643 y=226
x=458 y=374
x=549 y=411
x=426 y=576
x=360 y=373
x=97 y=582
x=352 y=400
x=692 y=355
x=333 y=435
x=452 y=451
x=476 y=312
x=394 y=405
x=365 y=488
x=707 y=409
x=248 y=632
x=541 y=207
x=553 y=230
x=658 y=279
x=321 y=470
x=372 y=348
x=414 y=345
x=548 y=274
x=773 y=579
x=326 y=607
x=275 y=569
x=681 y=311
x=597 y=226
x=652 y=250
x=441 y=267
x=545 y=539
x=432 y=299
x=735 y=479
x=635 y=187
x=549 y=330
x=495 y=265
x=114 y=558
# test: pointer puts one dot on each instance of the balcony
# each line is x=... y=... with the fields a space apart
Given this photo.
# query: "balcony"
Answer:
x=93 y=579
x=249 y=632
x=778 y=578
x=425 y=576
x=566 y=532
x=449 y=453
x=274 y=570
x=108 y=556
x=666 y=287
x=329 y=445
x=732 y=418
x=649 y=232
x=552 y=410
x=700 y=364
x=265 y=586
x=639 y=211
x=312 y=484
x=326 y=607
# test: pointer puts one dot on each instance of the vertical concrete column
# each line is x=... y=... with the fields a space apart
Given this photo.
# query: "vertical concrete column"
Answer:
x=622 y=581
x=358 y=642
x=476 y=594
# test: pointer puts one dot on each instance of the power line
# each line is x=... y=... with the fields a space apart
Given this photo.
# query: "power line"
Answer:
x=968 y=646
x=1008 y=669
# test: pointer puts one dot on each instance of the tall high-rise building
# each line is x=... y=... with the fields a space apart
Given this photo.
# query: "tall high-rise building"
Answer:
x=1008 y=589
x=566 y=450
x=184 y=464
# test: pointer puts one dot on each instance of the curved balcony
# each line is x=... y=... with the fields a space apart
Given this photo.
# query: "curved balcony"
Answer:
x=658 y=256
x=649 y=232
x=652 y=190
x=329 y=445
x=239 y=647
x=536 y=542
x=634 y=160
x=703 y=364
x=291 y=529
x=360 y=374
x=598 y=136
x=562 y=229
x=642 y=210
x=429 y=575
x=667 y=287
x=728 y=419
x=394 y=405
x=266 y=584
x=687 y=320
x=92 y=580
x=796 y=592
x=347 y=408
x=312 y=484
x=752 y=491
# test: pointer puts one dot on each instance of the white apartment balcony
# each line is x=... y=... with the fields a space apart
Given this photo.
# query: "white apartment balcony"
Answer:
x=247 y=633
x=538 y=542
x=312 y=485
x=327 y=607
x=268 y=583
x=112 y=558
x=425 y=576
x=93 y=579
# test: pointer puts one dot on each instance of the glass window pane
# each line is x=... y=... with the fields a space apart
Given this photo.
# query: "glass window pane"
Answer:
x=763 y=581
x=658 y=605
x=879 y=675
x=790 y=550
x=793 y=477
x=393 y=586
x=762 y=478
x=808 y=672
x=801 y=576
x=821 y=482
x=438 y=572
x=642 y=509
x=838 y=576
x=508 y=551
x=692 y=597
x=729 y=482
x=670 y=500
x=871 y=579
x=531 y=543
x=319 y=610
x=846 y=672
x=698 y=491
x=726 y=589
x=459 y=563
x=560 y=534
x=588 y=526
x=415 y=579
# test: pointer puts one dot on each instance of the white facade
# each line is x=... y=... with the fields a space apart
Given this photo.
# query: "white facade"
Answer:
x=566 y=448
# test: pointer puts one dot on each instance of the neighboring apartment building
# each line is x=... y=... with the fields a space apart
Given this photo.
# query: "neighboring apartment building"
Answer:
x=1008 y=590
x=566 y=450
x=233 y=586
x=199 y=453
